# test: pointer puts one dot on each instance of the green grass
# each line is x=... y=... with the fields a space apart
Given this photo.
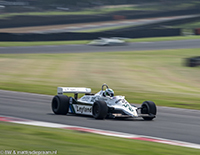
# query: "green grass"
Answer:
x=105 y=10
x=160 y=76
x=48 y=13
x=188 y=28
x=92 y=11
x=41 y=43
x=192 y=25
x=29 y=138
x=88 y=11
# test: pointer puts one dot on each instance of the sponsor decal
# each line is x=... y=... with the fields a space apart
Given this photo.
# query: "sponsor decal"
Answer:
x=85 y=98
x=83 y=109
x=93 y=99
x=87 y=89
x=127 y=105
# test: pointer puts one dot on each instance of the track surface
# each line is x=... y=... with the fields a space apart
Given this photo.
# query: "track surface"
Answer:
x=180 y=44
x=171 y=123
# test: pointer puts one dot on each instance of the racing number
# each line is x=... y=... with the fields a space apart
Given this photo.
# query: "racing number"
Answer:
x=126 y=105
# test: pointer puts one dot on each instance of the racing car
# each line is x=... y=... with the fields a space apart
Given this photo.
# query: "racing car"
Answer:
x=108 y=41
x=103 y=104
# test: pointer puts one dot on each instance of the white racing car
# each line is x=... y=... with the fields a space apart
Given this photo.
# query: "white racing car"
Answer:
x=100 y=105
x=108 y=41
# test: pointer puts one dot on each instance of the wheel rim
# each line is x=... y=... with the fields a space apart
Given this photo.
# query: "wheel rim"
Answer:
x=144 y=109
x=96 y=110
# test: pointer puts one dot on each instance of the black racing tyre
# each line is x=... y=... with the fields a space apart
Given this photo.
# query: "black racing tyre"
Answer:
x=193 y=62
x=99 y=110
x=149 y=107
x=60 y=104
x=190 y=62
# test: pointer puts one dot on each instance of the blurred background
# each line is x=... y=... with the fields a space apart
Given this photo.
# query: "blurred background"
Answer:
x=75 y=5
x=160 y=18
x=159 y=62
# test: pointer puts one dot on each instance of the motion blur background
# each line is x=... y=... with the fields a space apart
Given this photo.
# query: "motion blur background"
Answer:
x=77 y=5
x=43 y=45
x=155 y=18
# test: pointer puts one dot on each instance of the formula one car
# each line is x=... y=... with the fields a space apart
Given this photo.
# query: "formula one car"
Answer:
x=108 y=41
x=100 y=105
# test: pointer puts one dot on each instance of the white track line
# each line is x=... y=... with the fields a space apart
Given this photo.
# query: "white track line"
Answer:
x=98 y=131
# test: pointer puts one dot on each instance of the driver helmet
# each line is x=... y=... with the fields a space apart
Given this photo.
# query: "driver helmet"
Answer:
x=109 y=92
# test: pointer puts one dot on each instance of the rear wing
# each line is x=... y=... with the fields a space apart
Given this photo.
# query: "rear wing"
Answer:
x=75 y=90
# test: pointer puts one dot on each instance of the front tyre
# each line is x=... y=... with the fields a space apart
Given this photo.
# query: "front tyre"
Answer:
x=148 y=107
x=60 y=104
x=99 y=110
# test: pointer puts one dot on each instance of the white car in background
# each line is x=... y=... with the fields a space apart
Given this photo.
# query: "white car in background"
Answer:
x=103 y=104
x=108 y=41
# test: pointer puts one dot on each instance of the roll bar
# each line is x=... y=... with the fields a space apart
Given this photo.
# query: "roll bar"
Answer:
x=104 y=85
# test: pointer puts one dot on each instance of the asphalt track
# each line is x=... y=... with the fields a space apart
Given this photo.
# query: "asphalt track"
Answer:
x=171 y=123
x=137 y=46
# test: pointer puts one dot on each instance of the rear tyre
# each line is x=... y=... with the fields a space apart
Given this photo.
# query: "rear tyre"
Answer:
x=99 y=110
x=60 y=104
x=149 y=107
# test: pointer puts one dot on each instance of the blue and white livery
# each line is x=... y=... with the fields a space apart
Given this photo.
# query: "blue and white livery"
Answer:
x=100 y=105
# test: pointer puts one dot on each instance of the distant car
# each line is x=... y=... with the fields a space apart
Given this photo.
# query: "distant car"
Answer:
x=100 y=105
x=193 y=62
x=108 y=41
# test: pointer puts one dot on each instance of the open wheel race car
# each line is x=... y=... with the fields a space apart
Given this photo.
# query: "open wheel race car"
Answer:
x=100 y=105
x=108 y=41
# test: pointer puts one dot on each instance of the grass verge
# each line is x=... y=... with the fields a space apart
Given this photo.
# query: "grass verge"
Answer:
x=108 y=9
x=91 y=11
x=160 y=76
x=21 y=138
x=41 y=43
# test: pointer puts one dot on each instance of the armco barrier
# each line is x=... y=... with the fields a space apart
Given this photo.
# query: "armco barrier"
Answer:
x=88 y=36
x=25 y=20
